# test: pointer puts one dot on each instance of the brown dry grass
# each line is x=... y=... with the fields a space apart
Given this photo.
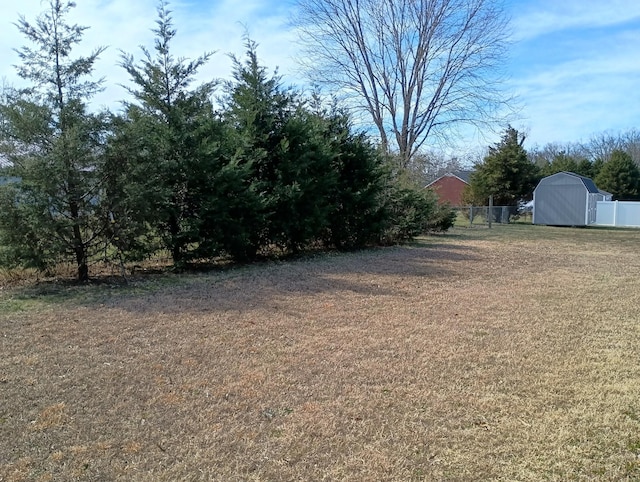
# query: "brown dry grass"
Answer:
x=510 y=354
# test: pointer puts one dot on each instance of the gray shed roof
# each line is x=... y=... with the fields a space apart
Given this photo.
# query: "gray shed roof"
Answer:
x=586 y=182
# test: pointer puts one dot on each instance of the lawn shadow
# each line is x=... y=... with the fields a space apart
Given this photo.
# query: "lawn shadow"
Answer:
x=379 y=272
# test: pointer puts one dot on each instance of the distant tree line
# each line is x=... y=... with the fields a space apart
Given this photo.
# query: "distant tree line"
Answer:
x=234 y=169
x=510 y=174
x=612 y=161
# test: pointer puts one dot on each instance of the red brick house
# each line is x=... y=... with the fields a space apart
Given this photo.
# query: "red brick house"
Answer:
x=450 y=186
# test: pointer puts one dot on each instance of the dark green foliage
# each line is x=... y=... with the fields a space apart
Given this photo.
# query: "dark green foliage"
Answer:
x=230 y=210
x=272 y=171
x=620 y=176
x=318 y=181
x=289 y=153
x=167 y=150
x=55 y=148
x=136 y=190
x=281 y=150
x=358 y=213
x=409 y=211
x=306 y=180
x=596 y=167
x=585 y=168
x=442 y=219
x=506 y=174
x=563 y=162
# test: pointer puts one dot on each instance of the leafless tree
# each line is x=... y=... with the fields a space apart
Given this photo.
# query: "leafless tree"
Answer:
x=542 y=156
x=419 y=68
x=631 y=142
x=427 y=166
x=600 y=146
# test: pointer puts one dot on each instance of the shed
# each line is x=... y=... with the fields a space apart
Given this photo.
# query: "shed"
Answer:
x=606 y=196
x=566 y=199
x=450 y=187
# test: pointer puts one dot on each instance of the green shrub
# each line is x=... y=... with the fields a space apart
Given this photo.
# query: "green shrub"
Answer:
x=443 y=218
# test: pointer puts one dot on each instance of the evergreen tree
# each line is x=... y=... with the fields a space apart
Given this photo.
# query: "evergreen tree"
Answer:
x=620 y=176
x=54 y=209
x=584 y=167
x=408 y=211
x=567 y=163
x=257 y=107
x=228 y=203
x=358 y=214
x=289 y=155
x=506 y=173
x=560 y=162
x=306 y=180
x=171 y=153
x=596 y=167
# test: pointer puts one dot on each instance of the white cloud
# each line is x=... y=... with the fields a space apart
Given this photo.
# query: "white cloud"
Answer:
x=578 y=98
x=532 y=19
x=576 y=68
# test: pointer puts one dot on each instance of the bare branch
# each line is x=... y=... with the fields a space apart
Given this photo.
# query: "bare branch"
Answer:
x=418 y=68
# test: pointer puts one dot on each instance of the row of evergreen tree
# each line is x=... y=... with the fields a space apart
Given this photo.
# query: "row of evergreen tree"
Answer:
x=618 y=175
x=265 y=168
x=510 y=175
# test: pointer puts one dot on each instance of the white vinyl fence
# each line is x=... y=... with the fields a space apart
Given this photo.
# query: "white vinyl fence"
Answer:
x=618 y=213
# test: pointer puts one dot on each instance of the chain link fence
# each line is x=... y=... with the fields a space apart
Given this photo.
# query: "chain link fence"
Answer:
x=480 y=215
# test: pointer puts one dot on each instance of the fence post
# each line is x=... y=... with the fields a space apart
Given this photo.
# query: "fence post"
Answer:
x=490 y=213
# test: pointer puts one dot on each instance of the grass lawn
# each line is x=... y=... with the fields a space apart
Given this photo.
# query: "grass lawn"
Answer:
x=503 y=354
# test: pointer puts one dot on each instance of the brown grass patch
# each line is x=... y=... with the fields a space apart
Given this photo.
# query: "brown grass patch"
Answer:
x=509 y=354
x=49 y=417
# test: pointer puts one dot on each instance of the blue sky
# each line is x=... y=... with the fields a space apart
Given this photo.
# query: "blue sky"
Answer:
x=574 y=64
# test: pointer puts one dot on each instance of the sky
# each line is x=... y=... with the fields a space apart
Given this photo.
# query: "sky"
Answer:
x=573 y=66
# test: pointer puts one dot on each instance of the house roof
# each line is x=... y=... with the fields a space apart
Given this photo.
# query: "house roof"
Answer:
x=464 y=176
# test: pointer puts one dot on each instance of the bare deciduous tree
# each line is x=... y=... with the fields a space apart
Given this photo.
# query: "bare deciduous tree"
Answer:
x=419 y=68
x=427 y=166
x=542 y=156
x=601 y=146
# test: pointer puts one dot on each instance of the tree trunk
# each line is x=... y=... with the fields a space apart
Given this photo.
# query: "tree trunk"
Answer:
x=78 y=245
x=83 y=268
x=174 y=230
